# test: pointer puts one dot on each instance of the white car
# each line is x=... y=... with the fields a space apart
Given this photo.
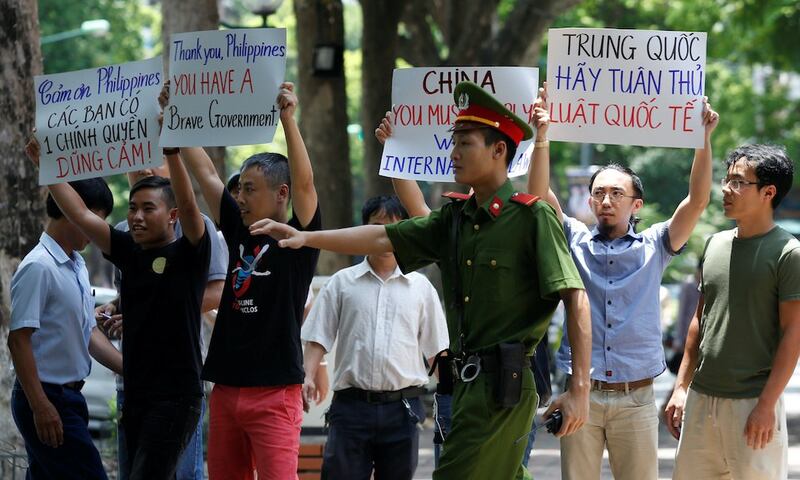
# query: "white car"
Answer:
x=100 y=389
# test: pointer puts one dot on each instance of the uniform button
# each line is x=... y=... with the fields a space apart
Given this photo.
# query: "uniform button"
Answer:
x=611 y=262
x=612 y=247
x=466 y=299
x=493 y=263
x=611 y=281
x=495 y=206
x=609 y=325
x=469 y=263
x=608 y=348
x=609 y=302
x=476 y=227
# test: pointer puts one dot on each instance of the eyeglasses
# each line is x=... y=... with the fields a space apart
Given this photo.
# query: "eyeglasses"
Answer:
x=735 y=184
x=615 y=196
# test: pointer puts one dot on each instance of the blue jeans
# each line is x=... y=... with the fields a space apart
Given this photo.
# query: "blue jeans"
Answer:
x=191 y=463
x=190 y=466
x=77 y=458
x=442 y=417
x=372 y=436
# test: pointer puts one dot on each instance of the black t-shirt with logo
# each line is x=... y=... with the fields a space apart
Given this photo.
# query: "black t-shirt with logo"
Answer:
x=256 y=339
x=162 y=293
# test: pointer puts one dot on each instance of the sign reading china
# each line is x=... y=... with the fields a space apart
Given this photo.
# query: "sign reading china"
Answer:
x=99 y=121
x=626 y=87
x=423 y=111
x=223 y=86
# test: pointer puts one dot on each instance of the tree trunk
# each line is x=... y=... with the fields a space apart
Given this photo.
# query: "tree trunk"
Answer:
x=179 y=16
x=20 y=196
x=379 y=51
x=323 y=118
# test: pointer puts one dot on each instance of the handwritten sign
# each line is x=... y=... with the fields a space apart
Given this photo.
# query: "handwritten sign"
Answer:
x=626 y=87
x=223 y=86
x=423 y=111
x=98 y=122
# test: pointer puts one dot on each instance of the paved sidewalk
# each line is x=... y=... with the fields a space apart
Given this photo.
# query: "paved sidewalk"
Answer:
x=545 y=459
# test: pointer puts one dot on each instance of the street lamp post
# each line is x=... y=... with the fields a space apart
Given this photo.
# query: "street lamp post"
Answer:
x=97 y=28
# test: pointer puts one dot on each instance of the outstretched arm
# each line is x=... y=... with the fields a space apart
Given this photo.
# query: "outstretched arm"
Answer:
x=304 y=194
x=539 y=170
x=688 y=212
x=73 y=207
x=407 y=191
x=362 y=240
x=188 y=212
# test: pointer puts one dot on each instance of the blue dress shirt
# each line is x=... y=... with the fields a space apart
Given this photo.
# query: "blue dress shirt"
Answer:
x=622 y=279
x=50 y=292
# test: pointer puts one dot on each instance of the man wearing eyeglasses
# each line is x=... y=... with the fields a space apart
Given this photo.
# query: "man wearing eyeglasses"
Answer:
x=622 y=270
x=744 y=340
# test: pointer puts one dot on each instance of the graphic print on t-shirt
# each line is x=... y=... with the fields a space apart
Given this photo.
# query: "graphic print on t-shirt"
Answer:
x=246 y=269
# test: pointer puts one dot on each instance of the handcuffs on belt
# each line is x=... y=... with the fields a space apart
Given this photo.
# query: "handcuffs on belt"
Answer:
x=470 y=370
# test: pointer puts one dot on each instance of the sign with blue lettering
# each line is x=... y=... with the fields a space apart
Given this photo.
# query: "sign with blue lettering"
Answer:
x=223 y=87
x=99 y=121
x=626 y=87
x=423 y=111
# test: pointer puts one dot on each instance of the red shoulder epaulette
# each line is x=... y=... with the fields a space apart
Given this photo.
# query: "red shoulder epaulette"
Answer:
x=524 y=198
x=456 y=196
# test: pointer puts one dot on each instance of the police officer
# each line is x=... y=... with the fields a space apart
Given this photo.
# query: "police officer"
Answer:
x=505 y=266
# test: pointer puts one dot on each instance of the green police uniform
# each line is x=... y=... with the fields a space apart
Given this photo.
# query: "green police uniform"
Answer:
x=513 y=262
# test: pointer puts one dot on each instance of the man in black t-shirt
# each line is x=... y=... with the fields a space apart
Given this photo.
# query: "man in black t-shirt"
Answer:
x=255 y=357
x=162 y=290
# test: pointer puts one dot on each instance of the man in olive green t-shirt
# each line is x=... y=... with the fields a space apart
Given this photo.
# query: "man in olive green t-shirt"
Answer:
x=505 y=266
x=743 y=344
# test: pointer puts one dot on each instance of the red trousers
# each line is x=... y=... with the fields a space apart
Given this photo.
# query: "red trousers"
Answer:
x=254 y=428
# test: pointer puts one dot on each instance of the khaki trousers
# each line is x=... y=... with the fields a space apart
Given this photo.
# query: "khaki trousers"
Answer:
x=713 y=444
x=624 y=423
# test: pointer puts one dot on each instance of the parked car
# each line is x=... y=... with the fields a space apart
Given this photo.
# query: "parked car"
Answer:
x=100 y=389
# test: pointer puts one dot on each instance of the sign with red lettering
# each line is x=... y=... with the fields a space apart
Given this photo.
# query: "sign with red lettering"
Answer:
x=223 y=86
x=423 y=111
x=99 y=121
x=626 y=87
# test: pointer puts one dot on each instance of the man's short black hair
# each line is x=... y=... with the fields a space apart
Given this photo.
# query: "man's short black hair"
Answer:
x=274 y=166
x=771 y=164
x=388 y=205
x=158 y=183
x=94 y=192
x=492 y=136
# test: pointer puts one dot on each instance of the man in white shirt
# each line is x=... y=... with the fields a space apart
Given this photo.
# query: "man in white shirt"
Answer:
x=386 y=323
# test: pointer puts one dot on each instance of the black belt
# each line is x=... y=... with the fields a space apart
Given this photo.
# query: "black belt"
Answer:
x=77 y=386
x=488 y=364
x=370 y=396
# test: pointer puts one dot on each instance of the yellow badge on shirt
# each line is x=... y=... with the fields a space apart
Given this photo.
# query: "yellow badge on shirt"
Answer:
x=159 y=264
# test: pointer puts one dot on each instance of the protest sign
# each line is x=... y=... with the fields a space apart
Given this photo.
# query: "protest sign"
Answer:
x=99 y=121
x=626 y=87
x=423 y=111
x=223 y=86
